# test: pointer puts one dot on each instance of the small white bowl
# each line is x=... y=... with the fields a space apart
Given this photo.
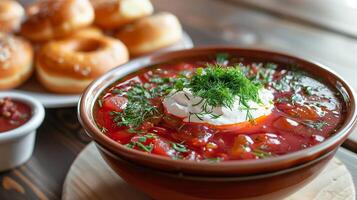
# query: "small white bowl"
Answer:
x=16 y=145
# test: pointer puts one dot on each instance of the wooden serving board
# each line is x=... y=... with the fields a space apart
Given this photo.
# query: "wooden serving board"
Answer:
x=90 y=178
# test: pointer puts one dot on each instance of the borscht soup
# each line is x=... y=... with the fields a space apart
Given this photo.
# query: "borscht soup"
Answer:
x=221 y=108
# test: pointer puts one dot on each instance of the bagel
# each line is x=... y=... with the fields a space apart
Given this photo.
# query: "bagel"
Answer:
x=50 y=19
x=69 y=65
x=110 y=14
x=11 y=14
x=151 y=33
x=16 y=56
x=90 y=31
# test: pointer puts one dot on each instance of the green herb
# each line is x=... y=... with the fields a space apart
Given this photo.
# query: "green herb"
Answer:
x=176 y=157
x=157 y=80
x=134 y=130
x=214 y=160
x=199 y=71
x=282 y=100
x=261 y=153
x=179 y=147
x=180 y=83
x=117 y=91
x=130 y=145
x=219 y=86
x=296 y=98
x=270 y=65
x=142 y=139
x=221 y=58
x=249 y=116
x=263 y=74
x=199 y=115
x=214 y=116
x=291 y=80
x=150 y=136
x=161 y=80
x=103 y=130
x=160 y=90
x=165 y=85
x=147 y=148
x=284 y=84
x=308 y=90
x=138 y=109
x=318 y=125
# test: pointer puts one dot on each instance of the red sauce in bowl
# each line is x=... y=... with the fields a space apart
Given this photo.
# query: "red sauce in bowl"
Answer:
x=306 y=112
x=13 y=114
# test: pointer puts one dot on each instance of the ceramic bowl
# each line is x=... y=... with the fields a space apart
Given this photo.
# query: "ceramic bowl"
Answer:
x=164 y=178
x=16 y=145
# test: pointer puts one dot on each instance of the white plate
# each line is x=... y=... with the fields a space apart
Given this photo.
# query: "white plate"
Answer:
x=53 y=100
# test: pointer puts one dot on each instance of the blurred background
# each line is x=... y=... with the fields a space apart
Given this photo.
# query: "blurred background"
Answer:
x=322 y=30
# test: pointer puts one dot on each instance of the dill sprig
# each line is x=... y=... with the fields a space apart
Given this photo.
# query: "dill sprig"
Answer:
x=222 y=58
x=179 y=147
x=138 y=109
x=262 y=154
x=219 y=86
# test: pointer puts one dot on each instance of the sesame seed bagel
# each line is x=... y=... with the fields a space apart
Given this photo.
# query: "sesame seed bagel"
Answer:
x=151 y=33
x=11 y=14
x=16 y=56
x=110 y=14
x=69 y=65
x=49 y=19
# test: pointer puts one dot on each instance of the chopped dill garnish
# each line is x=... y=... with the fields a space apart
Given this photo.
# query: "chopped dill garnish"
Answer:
x=219 y=86
x=179 y=147
x=214 y=160
x=103 y=130
x=270 y=65
x=308 y=90
x=296 y=98
x=318 y=125
x=263 y=74
x=117 y=91
x=130 y=145
x=138 y=109
x=222 y=58
x=261 y=154
x=142 y=139
x=146 y=148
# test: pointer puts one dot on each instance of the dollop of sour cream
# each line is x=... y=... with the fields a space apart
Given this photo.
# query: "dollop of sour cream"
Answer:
x=185 y=105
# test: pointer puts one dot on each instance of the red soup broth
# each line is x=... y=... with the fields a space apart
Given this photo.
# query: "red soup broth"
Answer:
x=13 y=114
x=306 y=112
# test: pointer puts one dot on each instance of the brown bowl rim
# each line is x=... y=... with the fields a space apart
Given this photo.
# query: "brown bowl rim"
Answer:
x=236 y=167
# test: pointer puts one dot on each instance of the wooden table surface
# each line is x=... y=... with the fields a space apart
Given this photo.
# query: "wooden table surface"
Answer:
x=321 y=30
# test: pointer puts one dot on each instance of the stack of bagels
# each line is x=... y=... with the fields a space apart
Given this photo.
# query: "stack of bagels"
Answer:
x=69 y=43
